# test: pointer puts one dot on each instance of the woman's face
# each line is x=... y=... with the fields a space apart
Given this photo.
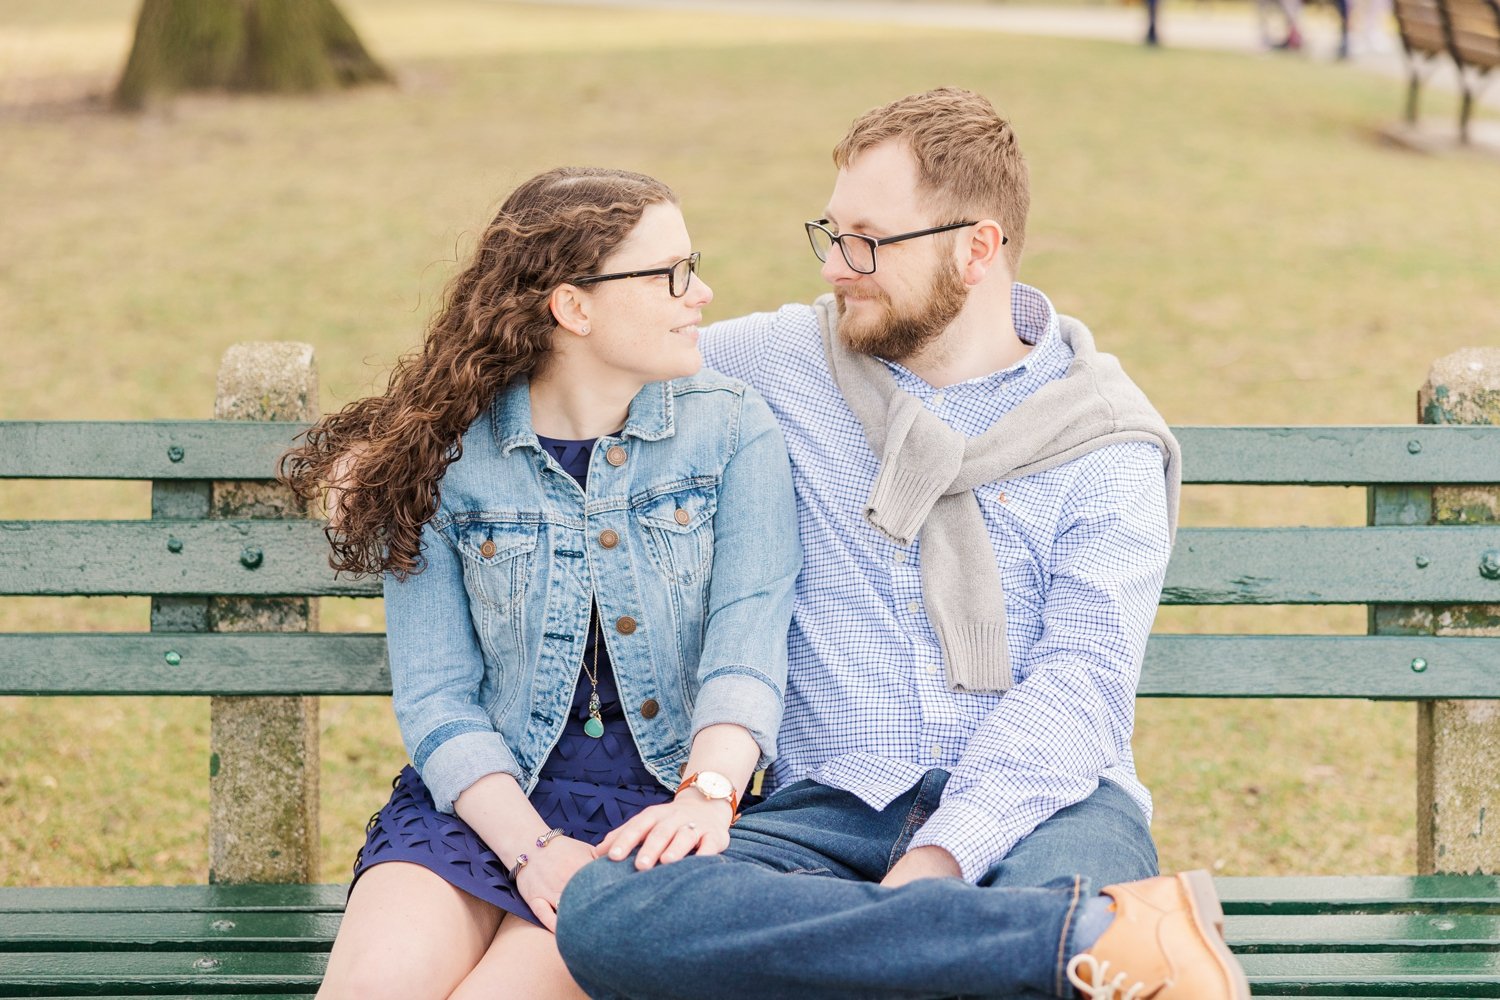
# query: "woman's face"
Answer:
x=636 y=326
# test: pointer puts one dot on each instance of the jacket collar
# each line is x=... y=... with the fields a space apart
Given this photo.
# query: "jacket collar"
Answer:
x=651 y=415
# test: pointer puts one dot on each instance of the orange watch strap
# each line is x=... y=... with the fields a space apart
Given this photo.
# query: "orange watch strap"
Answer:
x=734 y=797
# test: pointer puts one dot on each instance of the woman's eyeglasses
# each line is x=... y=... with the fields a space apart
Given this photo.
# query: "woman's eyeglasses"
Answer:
x=679 y=275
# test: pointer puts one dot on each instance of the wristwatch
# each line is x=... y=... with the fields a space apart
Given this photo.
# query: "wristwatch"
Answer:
x=714 y=786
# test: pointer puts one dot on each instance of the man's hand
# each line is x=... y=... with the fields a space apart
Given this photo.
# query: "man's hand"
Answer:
x=922 y=862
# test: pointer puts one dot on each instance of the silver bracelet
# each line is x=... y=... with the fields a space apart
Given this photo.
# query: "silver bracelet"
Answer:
x=550 y=836
x=521 y=862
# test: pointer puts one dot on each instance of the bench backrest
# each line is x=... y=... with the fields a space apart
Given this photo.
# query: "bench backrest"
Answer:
x=1400 y=559
x=1473 y=28
x=1421 y=26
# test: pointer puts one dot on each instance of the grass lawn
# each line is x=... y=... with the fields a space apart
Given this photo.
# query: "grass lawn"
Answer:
x=1228 y=225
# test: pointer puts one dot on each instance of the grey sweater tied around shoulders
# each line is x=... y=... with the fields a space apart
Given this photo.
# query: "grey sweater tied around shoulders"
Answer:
x=928 y=472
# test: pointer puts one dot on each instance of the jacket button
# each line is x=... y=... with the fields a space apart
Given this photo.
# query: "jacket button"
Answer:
x=488 y=548
x=682 y=516
x=615 y=455
x=625 y=625
x=609 y=538
x=649 y=708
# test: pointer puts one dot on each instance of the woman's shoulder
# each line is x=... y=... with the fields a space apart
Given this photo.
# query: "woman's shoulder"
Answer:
x=707 y=381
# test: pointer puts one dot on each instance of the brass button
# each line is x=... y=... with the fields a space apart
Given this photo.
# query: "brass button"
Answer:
x=649 y=708
x=615 y=456
x=625 y=625
x=681 y=770
x=609 y=538
x=488 y=548
x=682 y=516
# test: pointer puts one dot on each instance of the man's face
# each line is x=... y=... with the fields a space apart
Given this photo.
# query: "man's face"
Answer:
x=915 y=291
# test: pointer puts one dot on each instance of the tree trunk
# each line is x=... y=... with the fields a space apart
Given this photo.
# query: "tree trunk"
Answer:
x=268 y=46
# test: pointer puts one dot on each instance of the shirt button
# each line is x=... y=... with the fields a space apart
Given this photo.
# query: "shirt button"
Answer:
x=649 y=708
x=488 y=548
x=932 y=668
x=625 y=625
x=682 y=516
x=937 y=753
x=900 y=557
x=937 y=399
x=615 y=455
x=913 y=607
x=609 y=538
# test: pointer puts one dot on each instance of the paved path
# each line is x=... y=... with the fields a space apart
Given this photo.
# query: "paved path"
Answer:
x=1183 y=25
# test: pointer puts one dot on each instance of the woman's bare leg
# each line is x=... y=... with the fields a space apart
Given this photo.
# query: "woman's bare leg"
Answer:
x=407 y=934
x=522 y=962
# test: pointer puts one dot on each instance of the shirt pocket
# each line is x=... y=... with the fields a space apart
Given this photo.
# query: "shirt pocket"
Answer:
x=497 y=560
x=677 y=522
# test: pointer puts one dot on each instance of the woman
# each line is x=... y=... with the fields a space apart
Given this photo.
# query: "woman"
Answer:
x=589 y=547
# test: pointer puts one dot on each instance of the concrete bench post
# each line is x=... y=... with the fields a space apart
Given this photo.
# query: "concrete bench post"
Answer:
x=263 y=769
x=1458 y=742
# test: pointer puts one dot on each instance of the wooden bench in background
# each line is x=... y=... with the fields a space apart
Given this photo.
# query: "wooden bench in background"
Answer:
x=233 y=571
x=1467 y=32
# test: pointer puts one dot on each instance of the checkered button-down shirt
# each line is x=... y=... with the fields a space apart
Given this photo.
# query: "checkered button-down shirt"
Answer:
x=1082 y=550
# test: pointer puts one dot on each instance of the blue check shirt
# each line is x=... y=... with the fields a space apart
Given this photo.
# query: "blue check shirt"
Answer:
x=1082 y=550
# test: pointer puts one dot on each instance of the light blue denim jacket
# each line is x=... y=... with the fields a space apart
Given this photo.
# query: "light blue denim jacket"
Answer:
x=486 y=643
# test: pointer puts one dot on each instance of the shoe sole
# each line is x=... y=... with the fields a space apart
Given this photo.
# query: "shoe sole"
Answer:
x=1203 y=900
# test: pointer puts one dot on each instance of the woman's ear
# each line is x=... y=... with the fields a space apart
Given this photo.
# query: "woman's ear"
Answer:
x=571 y=307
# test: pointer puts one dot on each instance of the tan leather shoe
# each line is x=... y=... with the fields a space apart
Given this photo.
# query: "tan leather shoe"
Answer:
x=1166 y=943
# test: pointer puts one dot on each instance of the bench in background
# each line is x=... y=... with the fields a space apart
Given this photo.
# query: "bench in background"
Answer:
x=1467 y=32
x=234 y=569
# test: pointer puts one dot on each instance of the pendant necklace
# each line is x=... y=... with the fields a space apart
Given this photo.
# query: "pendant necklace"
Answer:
x=595 y=726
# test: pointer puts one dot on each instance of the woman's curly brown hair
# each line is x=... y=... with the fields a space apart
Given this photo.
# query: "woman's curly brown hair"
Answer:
x=381 y=458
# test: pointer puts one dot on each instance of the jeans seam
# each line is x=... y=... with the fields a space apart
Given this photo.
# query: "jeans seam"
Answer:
x=1062 y=943
x=920 y=808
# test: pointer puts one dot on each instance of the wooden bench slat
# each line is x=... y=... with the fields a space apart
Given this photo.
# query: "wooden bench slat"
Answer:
x=1387 y=565
x=1352 y=455
x=278 y=898
x=1196 y=666
x=1360 y=894
x=1450 y=975
x=198 y=973
x=212 y=931
x=1363 y=932
x=203 y=449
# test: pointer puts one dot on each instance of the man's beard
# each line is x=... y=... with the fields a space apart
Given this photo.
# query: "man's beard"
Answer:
x=896 y=334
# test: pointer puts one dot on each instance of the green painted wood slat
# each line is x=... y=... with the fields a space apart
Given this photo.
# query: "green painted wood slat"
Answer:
x=1451 y=975
x=1360 y=894
x=1188 y=666
x=1254 y=935
x=213 y=931
x=1397 y=564
x=253 y=898
x=210 y=449
x=198 y=973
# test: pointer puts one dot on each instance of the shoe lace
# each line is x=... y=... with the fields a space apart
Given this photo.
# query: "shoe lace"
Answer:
x=1102 y=987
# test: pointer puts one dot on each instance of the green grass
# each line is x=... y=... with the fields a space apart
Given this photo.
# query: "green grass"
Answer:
x=1228 y=225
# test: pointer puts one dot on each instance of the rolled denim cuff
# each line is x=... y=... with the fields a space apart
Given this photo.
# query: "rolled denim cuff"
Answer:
x=742 y=696
x=952 y=828
x=462 y=760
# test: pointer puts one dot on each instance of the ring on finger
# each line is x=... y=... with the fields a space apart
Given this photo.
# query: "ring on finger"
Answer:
x=692 y=826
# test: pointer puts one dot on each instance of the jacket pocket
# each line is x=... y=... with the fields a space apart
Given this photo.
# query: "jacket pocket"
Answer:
x=497 y=557
x=677 y=521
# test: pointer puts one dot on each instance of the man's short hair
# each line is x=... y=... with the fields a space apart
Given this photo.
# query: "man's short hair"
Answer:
x=968 y=162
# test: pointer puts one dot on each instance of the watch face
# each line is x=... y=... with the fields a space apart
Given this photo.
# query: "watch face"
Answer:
x=714 y=785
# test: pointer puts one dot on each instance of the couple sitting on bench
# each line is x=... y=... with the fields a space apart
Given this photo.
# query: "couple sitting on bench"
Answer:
x=904 y=546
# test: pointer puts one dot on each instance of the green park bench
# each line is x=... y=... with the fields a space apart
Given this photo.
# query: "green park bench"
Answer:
x=233 y=570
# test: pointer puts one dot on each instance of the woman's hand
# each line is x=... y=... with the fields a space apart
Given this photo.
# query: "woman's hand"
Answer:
x=541 y=882
x=671 y=831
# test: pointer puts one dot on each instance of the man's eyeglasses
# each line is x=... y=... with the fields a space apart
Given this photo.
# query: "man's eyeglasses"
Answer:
x=679 y=275
x=858 y=250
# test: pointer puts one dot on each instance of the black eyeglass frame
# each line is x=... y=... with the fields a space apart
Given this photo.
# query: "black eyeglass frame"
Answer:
x=821 y=225
x=692 y=262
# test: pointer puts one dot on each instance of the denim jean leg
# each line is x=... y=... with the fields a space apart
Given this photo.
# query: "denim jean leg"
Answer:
x=755 y=923
x=1104 y=839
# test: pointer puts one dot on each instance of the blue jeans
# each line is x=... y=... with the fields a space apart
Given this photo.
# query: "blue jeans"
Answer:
x=792 y=908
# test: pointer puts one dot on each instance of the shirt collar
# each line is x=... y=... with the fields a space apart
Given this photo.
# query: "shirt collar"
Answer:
x=651 y=415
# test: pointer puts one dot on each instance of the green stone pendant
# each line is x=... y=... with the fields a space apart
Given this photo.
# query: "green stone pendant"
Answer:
x=594 y=727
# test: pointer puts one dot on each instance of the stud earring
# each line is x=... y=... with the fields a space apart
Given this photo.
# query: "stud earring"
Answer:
x=585 y=330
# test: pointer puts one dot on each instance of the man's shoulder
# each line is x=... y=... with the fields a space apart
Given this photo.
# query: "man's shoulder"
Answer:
x=742 y=346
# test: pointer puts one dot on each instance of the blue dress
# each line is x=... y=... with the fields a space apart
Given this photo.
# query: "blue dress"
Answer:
x=587 y=786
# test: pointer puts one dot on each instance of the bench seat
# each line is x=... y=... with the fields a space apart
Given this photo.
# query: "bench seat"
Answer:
x=1424 y=936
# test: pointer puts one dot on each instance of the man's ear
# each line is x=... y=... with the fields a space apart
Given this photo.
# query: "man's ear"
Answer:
x=571 y=308
x=983 y=251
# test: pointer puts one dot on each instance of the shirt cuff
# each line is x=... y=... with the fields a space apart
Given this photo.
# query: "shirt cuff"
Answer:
x=976 y=841
x=741 y=696
x=463 y=760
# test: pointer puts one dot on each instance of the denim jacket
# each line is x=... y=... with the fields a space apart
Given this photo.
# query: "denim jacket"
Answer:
x=686 y=537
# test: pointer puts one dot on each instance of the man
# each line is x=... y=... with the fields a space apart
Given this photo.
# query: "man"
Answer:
x=986 y=507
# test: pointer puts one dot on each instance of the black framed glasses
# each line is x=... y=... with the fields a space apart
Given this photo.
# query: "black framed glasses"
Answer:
x=859 y=250
x=679 y=275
